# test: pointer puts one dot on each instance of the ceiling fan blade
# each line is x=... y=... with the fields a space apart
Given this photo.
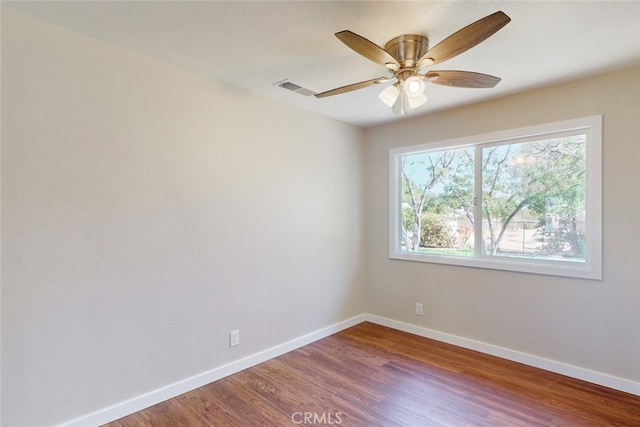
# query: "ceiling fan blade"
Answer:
x=462 y=79
x=367 y=48
x=466 y=38
x=353 y=86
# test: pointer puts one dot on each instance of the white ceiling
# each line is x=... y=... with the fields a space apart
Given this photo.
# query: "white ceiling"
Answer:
x=255 y=44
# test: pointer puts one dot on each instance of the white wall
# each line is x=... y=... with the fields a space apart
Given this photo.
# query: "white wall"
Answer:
x=594 y=325
x=147 y=211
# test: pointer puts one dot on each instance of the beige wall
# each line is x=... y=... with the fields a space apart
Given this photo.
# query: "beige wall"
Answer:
x=147 y=211
x=593 y=325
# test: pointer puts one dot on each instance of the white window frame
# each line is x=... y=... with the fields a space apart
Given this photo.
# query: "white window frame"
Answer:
x=590 y=269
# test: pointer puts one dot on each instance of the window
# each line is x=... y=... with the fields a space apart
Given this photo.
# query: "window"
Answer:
x=523 y=200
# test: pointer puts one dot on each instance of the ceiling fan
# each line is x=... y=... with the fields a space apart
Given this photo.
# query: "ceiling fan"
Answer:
x=408 y=58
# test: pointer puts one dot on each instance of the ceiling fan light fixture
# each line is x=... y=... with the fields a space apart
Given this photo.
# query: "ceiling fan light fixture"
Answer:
x=389 y=95
x=400 y=106
x=416 y=101
x=414 y=87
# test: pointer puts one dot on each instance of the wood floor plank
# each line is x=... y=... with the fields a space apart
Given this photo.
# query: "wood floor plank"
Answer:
x=369 y=375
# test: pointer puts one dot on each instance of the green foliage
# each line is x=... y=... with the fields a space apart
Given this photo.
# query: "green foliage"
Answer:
x=436 y=233
x=420 y=173
x=564 y=242
x=408 y=219
x=545 y=177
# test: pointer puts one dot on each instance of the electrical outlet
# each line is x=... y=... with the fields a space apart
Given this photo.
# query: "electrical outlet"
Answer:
x=234 y=338
x=419 y=309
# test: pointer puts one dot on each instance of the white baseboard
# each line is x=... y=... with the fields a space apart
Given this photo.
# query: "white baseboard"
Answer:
x=516 y=356
x=160 y=395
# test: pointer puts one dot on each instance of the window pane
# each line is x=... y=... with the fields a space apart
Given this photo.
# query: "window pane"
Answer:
x=437 y=202
x=527 y=200
x=534 y=199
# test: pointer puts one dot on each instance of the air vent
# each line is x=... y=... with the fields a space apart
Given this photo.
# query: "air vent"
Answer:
x=286 y=84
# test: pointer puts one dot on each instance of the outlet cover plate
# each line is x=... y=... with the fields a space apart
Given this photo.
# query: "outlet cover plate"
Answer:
x=234 y=338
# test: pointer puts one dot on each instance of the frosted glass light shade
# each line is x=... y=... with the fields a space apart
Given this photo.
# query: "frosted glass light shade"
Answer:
x=400 y=106
x=416 y=101
x=414 y=86
x=389 y=95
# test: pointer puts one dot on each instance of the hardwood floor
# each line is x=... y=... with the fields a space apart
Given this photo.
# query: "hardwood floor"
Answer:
x=369 y=375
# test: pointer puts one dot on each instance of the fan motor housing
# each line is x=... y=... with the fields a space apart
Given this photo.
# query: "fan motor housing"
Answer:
x=407 y=49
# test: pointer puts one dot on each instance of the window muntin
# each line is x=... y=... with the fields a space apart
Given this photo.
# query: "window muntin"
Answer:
x=539 y=207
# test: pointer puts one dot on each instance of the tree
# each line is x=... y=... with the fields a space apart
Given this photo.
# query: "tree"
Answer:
x=505 y=191
x=564 y=197
x=419 y=175
x=545 y=176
